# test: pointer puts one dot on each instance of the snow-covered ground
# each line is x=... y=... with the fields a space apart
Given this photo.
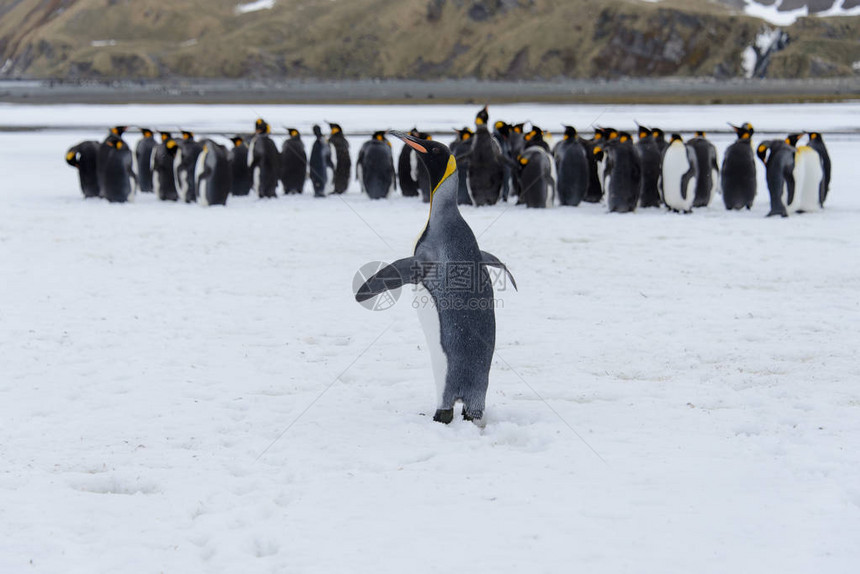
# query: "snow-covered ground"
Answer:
x=195 y=390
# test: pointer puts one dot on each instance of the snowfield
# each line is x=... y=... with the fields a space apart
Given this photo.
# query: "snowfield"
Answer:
x=196 y=390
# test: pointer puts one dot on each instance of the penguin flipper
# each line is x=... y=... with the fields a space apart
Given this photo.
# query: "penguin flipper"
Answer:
x=492 y=261
x=393 y=276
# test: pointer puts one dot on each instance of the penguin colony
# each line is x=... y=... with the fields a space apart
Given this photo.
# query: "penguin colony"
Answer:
x=498 y=162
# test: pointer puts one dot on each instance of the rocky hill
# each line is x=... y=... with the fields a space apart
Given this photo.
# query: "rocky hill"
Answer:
x=420 y=39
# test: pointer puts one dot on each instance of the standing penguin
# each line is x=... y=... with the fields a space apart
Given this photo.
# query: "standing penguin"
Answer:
x=486 y=163
x=407 y=169
x=651 y=159
x=622 y=173
x=320 y=162
x=374 y=167
x=502 y=135
x=84 y=157
x=294 y=163
x=213 y=175
x=816 y=142
x=737 y=174
x=534 y=173
x=458 y=146
x=241 y=178
x=460 y=323
x=263 y=160
x=808 y=177
x=186 y=162
x=342 y=161
x=163 y=173
x=143 y=155
x=594 y=193
x=708 y=172
x=659 y=137
x=778 y=159
x=571 y=167
x=117 y=182
x=678 y=174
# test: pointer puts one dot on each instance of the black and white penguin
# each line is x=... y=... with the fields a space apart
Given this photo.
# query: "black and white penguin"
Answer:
x=320 y=162
x=808 y=177
x=659 y=137
x=778 y=159
x=458 y=146
x=486 y=163
x=242 y=180
x=737 y=174
x=294 y=162
x=594 y=193
x=407 y=169
x=340 y=158
x=143 y=157
x=374 y=167
x=117 y=182
x=163 y=171
x=213 y=175
x=678 y=173
x=622 y=172
x=708 y=172
x=459 y=316
x=502 y=135
x=186 y=162
x=651 y=159
x=263 y=161
x=84 y=158
x=571 y=168
x=816 y=142
x=534 y=172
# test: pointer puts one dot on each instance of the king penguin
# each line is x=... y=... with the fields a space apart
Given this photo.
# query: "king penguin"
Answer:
x=374 y=167
x=163 y=174
x=622 y=173
x=186 y=162
x=117 y=182
x=241 y=177
x=213 y=175
x=678 y=173
x=320 y=162
x=342 y=161
x=571 y=167
x=461 y=144
x=460 y=321
x=534 y=172
x=651 y=158
x=778 y=159
x=143 y=155
x=84 y=157
x=294 y=163
x=264 y=160
x=486 y=163
x=816 y=142
x=706 y=177
x=808 y=176
x=407 y=167
x=737 y=174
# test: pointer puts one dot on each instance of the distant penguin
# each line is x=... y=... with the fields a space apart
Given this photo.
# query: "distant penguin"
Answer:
x=622 y=173
x=457 y=147
x=163 y=171
x=213 y=175
x=778 y=158
x=374 y=167
x=808 y=177
x=678 y=174
x=263 y=161
x=459 y=316
x=502 y=135
x=708 y=172
x=659 y=137
x=816 y=142
x=486 y=163
x=185 y=163
x=341 y=159
x=143 y=155
x=534 y=174
x=737 y=174
x=407 y=169
x=294 y=163
x=320 y=162
x=84 y=157
x=607 y=136
x=571 y=168
x=594 y=193
x=242 y=180
x=652 y=159
x=117 y=182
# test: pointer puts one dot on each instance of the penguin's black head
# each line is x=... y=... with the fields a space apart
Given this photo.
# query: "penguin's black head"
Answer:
x=761 y=152
x=482 y=117
x=335 y=128
x=171 y=146
x=518 y=128
x=658 y=134
x=569 y=132
x=261 y=127
x=435 y=156
x=72 y=158
x=165 y=136
x=624 y=137
x=464 y=134
x=744 y=131
x=188 y=136
x=503 y=128
x=237 y=141
x=814 y=136
x=424 y=136
x=115 y=141
x=379 y=136
x=676 y=138
x=147 y=133
x=317 y=131
x=644 y=133
x=118 y=130
x=294 y=133
x=700 y=134
x=791 y=139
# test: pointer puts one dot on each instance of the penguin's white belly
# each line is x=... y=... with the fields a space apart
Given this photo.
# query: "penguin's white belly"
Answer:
x=808 y=174
x=428 y=315
x=675 y=165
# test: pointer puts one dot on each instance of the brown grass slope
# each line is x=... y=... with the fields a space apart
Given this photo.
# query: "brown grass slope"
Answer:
x=423 y=39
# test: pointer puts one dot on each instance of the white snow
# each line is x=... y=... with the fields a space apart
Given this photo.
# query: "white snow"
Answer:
x=254 y=6
x=748 y=61
x=773 y=15
x=102 y=43
x=188 y=389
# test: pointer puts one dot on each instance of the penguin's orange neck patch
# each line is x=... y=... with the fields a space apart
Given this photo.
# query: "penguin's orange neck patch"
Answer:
x=415 y=146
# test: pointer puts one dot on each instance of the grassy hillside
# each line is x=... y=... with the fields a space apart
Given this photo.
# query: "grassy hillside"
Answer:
x=423 y=39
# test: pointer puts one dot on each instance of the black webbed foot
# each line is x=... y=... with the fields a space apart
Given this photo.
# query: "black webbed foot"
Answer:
x=444 y=416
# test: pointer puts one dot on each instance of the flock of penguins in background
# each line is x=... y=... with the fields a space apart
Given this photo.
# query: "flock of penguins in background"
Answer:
x=494 y=165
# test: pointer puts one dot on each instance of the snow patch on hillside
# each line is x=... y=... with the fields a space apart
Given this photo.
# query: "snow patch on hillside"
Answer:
x=254 y=6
